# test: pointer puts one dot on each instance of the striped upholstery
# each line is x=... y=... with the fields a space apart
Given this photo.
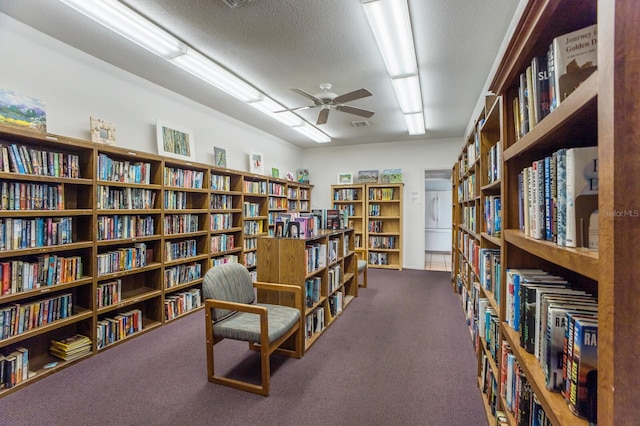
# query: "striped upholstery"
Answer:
x=231 y=282
x=245 y=326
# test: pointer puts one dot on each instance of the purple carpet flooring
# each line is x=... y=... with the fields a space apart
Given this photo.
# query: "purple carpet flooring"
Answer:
x=400 y=354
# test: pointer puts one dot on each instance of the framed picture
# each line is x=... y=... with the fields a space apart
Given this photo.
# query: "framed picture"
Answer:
x=275 y=172
x=368 y=176
x=102 y=132
x=303 y=175
x=290 y=176
x=391 y=176
x=345 y=178
x=175 y=141
x=256 y=163
x=220 y=155
x=18 y=110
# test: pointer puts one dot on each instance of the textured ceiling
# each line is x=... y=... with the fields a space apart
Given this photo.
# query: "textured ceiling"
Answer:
x=280 y=44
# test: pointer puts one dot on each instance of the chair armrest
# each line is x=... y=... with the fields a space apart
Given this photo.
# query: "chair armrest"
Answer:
x=234 y=306
x=296 y=290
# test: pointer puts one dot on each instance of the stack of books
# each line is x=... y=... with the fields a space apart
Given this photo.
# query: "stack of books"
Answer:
x=70 y=348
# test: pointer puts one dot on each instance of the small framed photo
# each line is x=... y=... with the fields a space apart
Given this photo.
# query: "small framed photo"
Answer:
x=102 y=132
x=275 y=172
x=368 y=176
x=345 y=178
x=175 y=141
x=256 y=163
x=303 y=175
x=220 y=155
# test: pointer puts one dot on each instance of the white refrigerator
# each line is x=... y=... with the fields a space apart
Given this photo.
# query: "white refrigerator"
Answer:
x=437 y=232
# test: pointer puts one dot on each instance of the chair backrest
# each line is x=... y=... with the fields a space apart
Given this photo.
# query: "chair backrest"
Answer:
x=230 y=282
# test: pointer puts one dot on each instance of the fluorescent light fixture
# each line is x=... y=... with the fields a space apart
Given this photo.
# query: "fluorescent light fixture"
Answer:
x=415 y=123
x=207 y=70
x=268 y=106
x=124 y=21
x=389 y=20
x=312 y=133
x=408 y=93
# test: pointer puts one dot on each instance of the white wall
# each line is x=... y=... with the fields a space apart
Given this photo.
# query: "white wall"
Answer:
x=413 y=158
x=74 y=86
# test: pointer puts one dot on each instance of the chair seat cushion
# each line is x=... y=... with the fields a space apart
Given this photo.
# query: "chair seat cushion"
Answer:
x=246 y=326
x=362 y=265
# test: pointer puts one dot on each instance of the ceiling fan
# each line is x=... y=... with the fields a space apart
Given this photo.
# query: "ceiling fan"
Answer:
x=327 y=100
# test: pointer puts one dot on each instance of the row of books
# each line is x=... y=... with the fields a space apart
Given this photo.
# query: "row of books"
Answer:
x=315 y=256
x=180 y=303
x=220 y=182
x=336 y=218
x=221 y=201
x=314 y=323
x=253 y=227
x=180 y=223
x=113 y=170
x=250 y=209
x=494 y=162
x=278 y=203
x=221 y=221
x=115 y=198
x=336 y=303
x=181 y=274
x=228 y=258
x=382 y=242
x=17 y=233
x=334 y=278
x=248 y=244
x=180 y=249
x=467 y=188
x=493 y=215
x=14 y=367
x=25 y=160
x=250 y=259
x=109 y=293
x=489 y=272
x=549 y=79
x=377 y=258
x=517 y=392
x=558 y=197
x=345 y=194
x=117 y=227
x=183 y=178
x=111 y=330
x=225 y=242
x=71 y=347
x=381 y=194
x=176 y=200
x=469 y=218
x=18 y=318
x=122 y=259
x=31 y=196
x=44 y=271
x=277 y=189
x=312 y=291
x=254 y=187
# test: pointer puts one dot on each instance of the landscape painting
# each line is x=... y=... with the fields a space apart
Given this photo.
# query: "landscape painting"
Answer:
x=22 y=111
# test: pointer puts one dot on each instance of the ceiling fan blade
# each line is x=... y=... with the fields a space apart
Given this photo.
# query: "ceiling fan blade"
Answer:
x=355 y=111
x=352 y=96
x=307 y=95
x=323 y=116
x=296 y=109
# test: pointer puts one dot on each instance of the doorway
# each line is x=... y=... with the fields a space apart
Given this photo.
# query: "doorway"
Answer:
x=438 y=220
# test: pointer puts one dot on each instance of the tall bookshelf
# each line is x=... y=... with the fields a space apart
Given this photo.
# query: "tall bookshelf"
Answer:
x=603 y=111
x=384 y=225
x=128 y=243
x=353 y=198
x=185 y=235
x=255 y=217
x=324 y=266
x=66 y=206
x=125 y=237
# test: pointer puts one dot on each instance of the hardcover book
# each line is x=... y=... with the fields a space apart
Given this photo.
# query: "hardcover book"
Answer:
x=575 y=58
x=581 y=170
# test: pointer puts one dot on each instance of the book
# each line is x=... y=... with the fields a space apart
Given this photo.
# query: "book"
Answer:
x=561 y=194
x=581 y=192
x=523 y=109
x=584 y=368
x=575 y=57
x=540 y=78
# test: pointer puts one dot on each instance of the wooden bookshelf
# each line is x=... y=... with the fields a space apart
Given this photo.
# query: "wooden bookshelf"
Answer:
x=255 y=217
x=143 y=227
x=384 y=225
x=289 y=261
x=353 y=199
x=603 y=111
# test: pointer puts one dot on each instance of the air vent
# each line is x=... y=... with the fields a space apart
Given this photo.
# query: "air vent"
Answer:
x=234 y=3
x=362 y=123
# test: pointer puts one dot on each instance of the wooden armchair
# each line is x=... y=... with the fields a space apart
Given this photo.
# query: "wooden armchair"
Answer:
x=232 y=314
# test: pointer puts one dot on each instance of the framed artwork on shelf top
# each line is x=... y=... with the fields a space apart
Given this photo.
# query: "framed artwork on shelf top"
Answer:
x=368 y=176
x=256 y=163
x=18 y=110
x=345 y=178
x=175 y=141
x=220 y=155
x=102 y=132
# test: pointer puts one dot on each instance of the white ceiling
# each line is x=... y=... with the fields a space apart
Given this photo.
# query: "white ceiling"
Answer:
x=282 y=44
